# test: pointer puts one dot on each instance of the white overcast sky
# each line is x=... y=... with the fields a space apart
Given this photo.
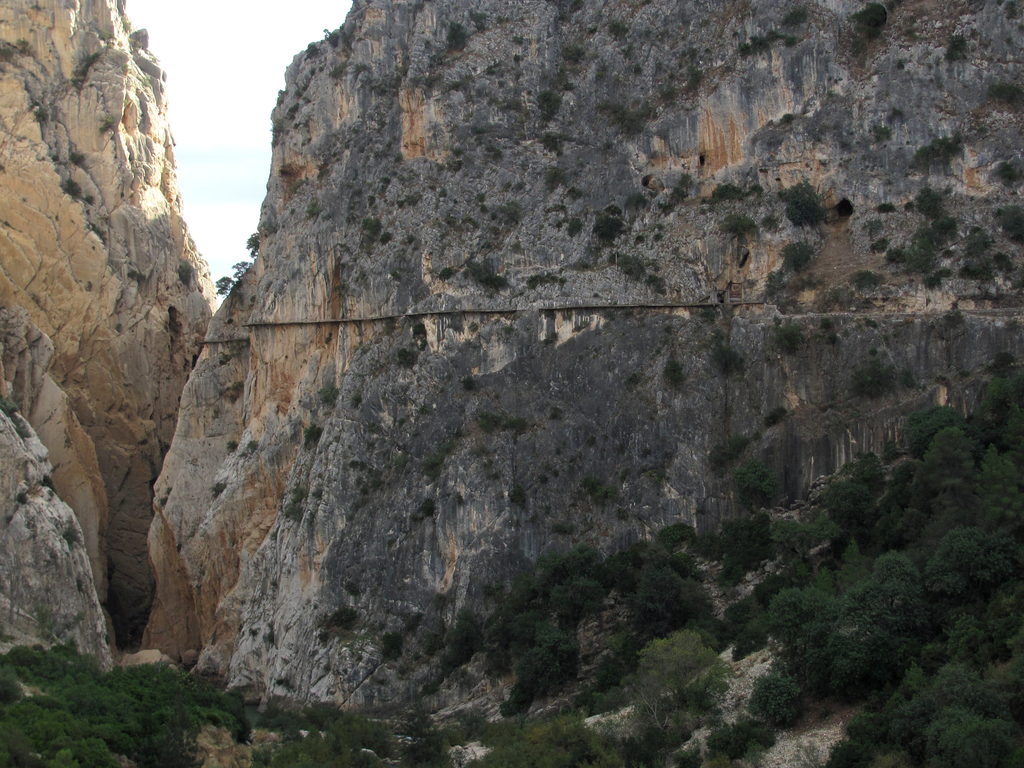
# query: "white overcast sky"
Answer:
x=225 y=63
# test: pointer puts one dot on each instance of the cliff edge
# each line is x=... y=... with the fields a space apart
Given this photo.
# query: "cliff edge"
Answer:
x=94 y=250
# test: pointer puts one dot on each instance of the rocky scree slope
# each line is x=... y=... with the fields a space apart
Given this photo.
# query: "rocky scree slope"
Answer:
x=523 y=283
x=94 y=249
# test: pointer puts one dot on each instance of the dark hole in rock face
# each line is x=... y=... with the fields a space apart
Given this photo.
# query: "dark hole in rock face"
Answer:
x=844 y=209
x=744 y=255
x=646 y=180
x=173 y=323
x=702 y=160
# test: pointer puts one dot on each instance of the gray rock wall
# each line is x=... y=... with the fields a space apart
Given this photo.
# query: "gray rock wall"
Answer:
x=439 y=169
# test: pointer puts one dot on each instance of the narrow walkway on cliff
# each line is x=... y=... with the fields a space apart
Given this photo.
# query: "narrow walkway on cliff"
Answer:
x=652 y=307
x=486 y=311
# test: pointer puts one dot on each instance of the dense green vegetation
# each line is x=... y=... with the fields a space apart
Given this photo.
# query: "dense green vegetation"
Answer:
x=899 y=593
x=84 y=717
x=333 y=739
x=58 y=710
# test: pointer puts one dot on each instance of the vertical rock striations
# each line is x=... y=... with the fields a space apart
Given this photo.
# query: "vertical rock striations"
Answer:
x=93 y=248
x=523 y=283
x=47 y=591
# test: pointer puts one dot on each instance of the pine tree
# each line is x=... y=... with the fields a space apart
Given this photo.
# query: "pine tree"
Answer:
x=1002 y=502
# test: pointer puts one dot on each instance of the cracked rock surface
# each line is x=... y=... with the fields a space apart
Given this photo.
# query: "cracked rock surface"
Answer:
x=507 y=301
x=47 y=592
x=94 y=250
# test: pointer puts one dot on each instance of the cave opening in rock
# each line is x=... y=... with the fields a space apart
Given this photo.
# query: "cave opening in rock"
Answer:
x=844 y=209
x=173 y=323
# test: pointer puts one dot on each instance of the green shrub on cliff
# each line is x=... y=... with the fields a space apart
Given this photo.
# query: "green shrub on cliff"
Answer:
x=756 y=483
x=1011 y=219
x=870 y=20
x=804 y=207
x=776 y=699
x=458 y=36
x=796 y=256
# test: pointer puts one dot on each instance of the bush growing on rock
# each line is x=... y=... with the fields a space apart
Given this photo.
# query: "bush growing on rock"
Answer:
x=10 y=689
x=311 y=435
x=865 y=280
x=344 y=617
x=84 y=717
x=485 y=275
x=873 y=379
x=776 y=699
x=738 y=225
x=391 y=645
x=796 y=256
x=1008 y=173
x=548 y=102
x=726 y=192
x=1008 y=93
x=939 y=151
x=788 y=337
x=458 y=36
x=550 y=662
x=726 y=359
x=608 y=224
x=870 y=20
x=756 y=483
x=1011 y=219
x=923 y=425
x=674 y=373
x=739 y=739
x=746 y=543
x=795 y=17
x=663 y=600
x=725 y=453
x=803 y=205
x=562 y=742
x=464 y=639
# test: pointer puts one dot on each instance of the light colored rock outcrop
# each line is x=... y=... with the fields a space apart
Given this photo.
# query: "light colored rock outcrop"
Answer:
x=94 y=249
x=47 y=593
x=807 y=744
x=467 y=754
x=25 y=357
x=451 y=354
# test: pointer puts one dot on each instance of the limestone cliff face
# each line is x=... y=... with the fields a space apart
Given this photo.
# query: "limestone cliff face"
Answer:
x=94 y=249
x=500 y=308
x=47 y=592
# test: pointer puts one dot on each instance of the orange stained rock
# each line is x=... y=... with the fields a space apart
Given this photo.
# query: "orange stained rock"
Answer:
x=721 y=140
x=419 y=118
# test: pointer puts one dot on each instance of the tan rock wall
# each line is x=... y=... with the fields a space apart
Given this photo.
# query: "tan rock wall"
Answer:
x=94 y=249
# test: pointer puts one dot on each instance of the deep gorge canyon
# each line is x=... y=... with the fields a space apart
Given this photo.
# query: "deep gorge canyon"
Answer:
x=530 y=274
